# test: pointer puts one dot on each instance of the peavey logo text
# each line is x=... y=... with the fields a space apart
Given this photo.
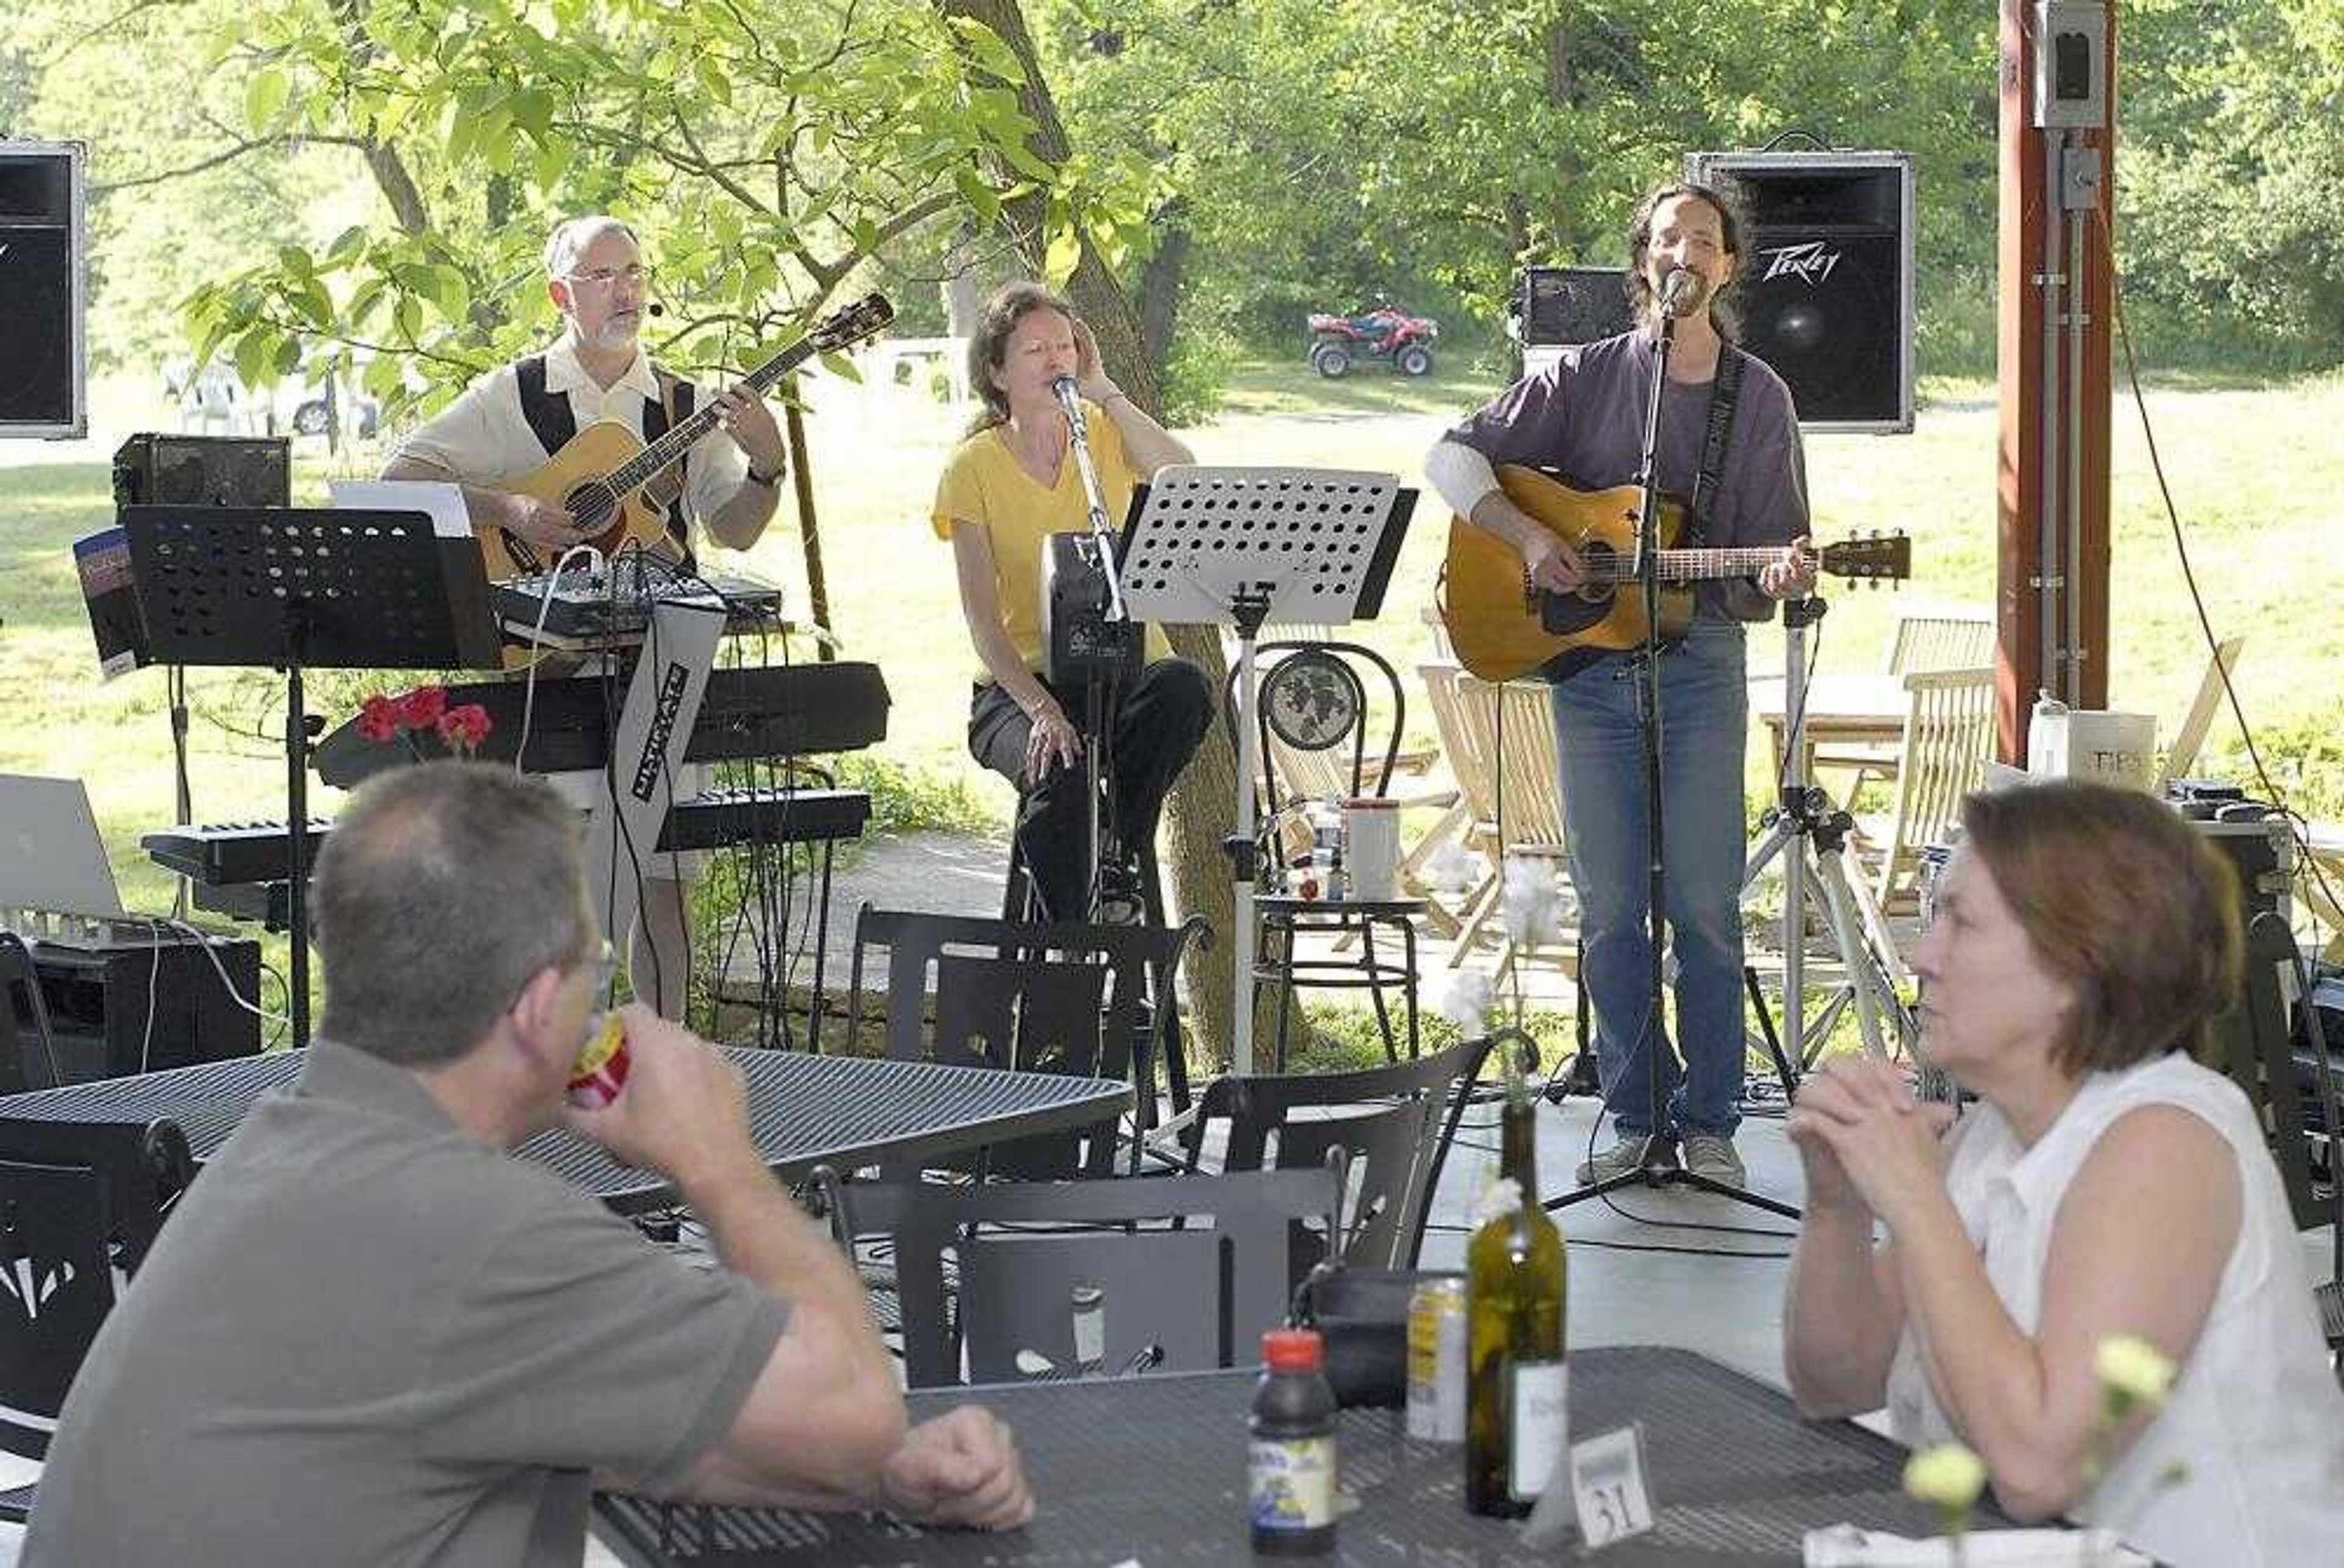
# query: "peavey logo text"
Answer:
x=1807 y=261
x=653 y=761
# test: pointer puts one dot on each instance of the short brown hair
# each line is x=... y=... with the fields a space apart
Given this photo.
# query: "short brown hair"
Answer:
x=445 y=888
x=989 y=344
x=2125 y=902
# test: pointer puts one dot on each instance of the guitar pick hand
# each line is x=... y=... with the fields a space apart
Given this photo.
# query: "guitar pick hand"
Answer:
x=548 y=527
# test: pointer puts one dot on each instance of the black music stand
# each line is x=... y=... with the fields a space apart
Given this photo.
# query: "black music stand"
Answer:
x=1244 y=546
x=298 y=588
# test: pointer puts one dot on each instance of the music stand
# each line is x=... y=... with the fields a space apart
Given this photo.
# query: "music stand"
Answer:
x=1245 y=546
x=298 y=588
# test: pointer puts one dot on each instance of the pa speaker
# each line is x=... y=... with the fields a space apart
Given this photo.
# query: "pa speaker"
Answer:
x=41 y=302
x=1573 y=305
x=1826 y=294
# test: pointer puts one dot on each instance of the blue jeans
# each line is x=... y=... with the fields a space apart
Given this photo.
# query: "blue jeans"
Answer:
x=1599 y=733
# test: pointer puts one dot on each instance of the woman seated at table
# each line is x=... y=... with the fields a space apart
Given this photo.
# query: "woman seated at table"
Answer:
x=1010 y=485
x=2107 y=1185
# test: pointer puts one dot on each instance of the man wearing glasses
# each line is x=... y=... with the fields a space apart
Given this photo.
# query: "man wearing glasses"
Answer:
x=513 y=419
x=369 y=1336
x=510 y=421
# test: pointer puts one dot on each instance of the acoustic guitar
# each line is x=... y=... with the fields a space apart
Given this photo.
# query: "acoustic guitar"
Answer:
x=1502 y=626
x=600 y=475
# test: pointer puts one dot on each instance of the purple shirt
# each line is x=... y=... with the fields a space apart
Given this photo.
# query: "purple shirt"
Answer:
x=1584 y=416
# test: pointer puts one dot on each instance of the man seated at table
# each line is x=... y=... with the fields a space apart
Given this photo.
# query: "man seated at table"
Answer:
x=367 y=1335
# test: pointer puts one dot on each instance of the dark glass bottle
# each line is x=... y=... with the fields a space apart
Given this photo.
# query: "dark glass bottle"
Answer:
x=1292 y=1468
x=1516 y=1423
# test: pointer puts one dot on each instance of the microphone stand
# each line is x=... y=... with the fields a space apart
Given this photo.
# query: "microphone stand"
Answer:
x=1659 y=1165
x=1098 y=685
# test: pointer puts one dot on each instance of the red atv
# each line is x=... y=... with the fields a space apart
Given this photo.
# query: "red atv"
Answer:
x=1374 y=332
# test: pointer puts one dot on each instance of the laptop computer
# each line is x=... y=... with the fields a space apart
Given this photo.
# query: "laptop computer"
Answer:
x=51 y=858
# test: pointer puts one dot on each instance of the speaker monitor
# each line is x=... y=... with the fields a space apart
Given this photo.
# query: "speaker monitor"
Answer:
x=1573 y=304
x=1826 y=295
x=42 y=387
x=161 y=469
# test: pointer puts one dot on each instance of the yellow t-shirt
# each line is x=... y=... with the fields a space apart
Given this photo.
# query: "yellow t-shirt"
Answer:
x=983 y=484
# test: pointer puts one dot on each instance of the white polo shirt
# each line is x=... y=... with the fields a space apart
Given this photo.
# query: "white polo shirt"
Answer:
x=483 y=438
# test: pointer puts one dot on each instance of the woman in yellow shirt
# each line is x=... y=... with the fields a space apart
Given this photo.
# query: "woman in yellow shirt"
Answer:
x=1006 y=488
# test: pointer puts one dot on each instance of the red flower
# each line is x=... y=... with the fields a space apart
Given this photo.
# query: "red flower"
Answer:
x=464 y=728
x=420 y=708
x=378 y=720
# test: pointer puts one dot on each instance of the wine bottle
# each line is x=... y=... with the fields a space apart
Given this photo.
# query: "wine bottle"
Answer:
x=1516 y=1423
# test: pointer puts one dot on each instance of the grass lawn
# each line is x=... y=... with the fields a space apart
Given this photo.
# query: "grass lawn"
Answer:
x=2256 y=472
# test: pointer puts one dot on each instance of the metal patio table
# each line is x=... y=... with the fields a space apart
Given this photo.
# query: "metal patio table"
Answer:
x=1152 y=1470
x=804 y=1110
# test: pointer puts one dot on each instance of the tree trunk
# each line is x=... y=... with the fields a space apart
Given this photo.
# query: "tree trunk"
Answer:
x=1160 y=282
x=1202 y=811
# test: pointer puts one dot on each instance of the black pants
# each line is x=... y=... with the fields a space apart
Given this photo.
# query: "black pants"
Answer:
x=1155 y=728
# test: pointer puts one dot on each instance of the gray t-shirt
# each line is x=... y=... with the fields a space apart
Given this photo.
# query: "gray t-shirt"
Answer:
x=366 y=1336
x=1584 y=415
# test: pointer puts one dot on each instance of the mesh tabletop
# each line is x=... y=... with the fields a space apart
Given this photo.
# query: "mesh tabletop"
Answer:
x=803 y=1111
x=1153 y=1469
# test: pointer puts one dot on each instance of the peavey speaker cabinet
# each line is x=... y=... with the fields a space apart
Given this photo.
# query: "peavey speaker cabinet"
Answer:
x=1826 y=295
x=41 y=377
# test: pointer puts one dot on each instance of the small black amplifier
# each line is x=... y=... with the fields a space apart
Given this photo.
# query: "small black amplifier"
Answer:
x=130 y=1002
x=155 y=470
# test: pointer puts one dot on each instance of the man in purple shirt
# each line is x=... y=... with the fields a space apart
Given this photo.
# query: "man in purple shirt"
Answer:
x=1584 y=417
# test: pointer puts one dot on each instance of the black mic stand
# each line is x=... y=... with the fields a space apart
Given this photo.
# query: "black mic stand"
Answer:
x=1118 y=646
x=1658 y=1165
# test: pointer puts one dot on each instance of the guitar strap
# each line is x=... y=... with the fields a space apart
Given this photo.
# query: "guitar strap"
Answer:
x=1723 y=393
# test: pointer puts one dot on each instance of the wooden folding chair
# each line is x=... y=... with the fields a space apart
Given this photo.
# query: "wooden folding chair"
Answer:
x=1948 y=740
x=1924 y=639
x=1506 y=765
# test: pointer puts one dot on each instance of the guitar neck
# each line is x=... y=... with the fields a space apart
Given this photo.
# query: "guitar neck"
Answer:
x=681 y=437
x=1692 y=565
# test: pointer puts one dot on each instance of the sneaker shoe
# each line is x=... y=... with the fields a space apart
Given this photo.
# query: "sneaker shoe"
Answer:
x=1626 y=1155
x=1712 y=1158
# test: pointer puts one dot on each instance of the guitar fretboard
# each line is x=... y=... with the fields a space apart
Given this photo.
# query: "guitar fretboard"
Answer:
x=1688 y=565
x=646 y=465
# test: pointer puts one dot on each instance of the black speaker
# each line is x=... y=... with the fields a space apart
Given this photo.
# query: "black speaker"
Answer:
x=1826 y=294
x=154 y=470
x=41 y=357
x=1573 y=304
x=118 y=1007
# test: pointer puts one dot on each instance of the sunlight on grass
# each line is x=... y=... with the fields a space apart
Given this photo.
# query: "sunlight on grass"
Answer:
x=2254 y=471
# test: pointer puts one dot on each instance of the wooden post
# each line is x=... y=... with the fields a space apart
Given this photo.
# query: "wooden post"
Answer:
x=2054 y=394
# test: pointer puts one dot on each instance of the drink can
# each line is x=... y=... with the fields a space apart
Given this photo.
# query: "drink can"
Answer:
x=601 y=1068
x=1436 y=1362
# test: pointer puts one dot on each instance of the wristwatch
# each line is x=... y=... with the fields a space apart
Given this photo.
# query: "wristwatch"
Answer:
x=768 y=480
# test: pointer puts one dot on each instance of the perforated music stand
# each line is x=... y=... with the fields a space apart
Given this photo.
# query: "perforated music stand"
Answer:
x=1244 y=547
x=297 y=587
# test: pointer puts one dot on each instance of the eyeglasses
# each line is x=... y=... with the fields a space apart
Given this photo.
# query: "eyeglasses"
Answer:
x=603 y=277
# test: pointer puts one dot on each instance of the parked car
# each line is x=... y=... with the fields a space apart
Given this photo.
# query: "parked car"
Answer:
x=1378 y=331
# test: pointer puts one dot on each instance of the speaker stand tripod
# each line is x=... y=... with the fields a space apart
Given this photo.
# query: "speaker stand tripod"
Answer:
x=1811 y=832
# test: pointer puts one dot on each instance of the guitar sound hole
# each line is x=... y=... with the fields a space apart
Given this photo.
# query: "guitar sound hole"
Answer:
x=1600 y=559
x=591 y=506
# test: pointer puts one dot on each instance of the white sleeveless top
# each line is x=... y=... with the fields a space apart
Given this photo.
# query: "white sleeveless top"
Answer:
x=2255 y=1415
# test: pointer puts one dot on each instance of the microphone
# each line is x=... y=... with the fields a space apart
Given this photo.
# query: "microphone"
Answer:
x=1679 y=288
x=653 y=308
x=1064 y=387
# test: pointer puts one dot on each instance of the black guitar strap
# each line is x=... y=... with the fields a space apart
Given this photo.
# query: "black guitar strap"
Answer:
x=1723 y=393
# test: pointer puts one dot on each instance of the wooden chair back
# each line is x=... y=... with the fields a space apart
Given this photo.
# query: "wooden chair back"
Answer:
x=1941 y=637
x=1509 y=729
x=1948 y=740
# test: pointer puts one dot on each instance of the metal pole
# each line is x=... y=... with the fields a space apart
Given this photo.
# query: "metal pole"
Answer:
x=2051 y=571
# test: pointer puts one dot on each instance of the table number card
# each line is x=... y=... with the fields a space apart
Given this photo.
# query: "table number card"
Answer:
x=1607 y=1483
